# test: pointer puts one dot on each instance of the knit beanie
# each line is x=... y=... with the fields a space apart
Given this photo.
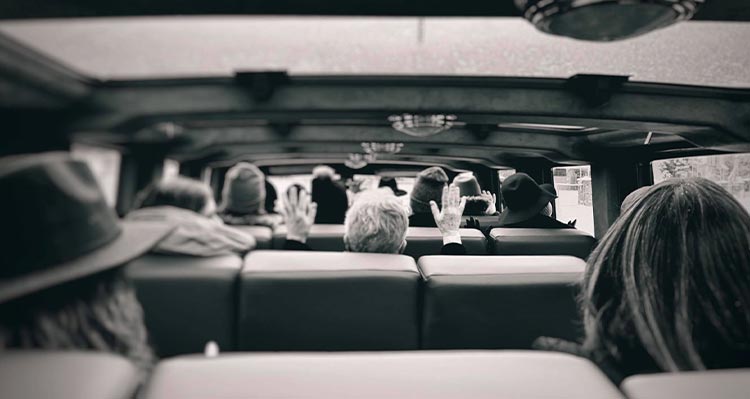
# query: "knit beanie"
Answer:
x=244 y=189
x=428 y=187
x=467 y=185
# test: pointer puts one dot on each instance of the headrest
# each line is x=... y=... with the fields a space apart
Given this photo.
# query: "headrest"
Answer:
x=725 y=384
x=307 y=261
x=500 y=265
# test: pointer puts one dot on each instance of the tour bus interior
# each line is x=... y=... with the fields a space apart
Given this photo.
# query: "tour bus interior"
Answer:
x=146 y=91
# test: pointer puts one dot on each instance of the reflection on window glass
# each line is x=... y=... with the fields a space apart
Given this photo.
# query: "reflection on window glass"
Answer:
x=105 y=165
x=731 y=171
x=171 y=169
x=573 y=186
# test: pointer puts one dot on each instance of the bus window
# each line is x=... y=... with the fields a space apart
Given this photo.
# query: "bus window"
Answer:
x=104 y=164
x=731 y=171
x=503 y=174
x=573 y=186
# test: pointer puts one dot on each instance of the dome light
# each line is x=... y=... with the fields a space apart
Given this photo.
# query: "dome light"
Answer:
x=422 y=125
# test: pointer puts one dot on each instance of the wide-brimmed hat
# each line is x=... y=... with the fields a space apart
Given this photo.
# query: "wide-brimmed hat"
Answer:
x=467 y=185
x=244 y=189
x=428 y=187
x=523 y=198
x=57 y=227
x=391 y=183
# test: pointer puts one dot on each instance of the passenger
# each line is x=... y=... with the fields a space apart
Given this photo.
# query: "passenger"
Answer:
x=330 y=195
x=63 y=248
x=632 y=198
x=376 y=222
x=478 y=202
x=390 y=182
x=550 y=188
x=189 y=205
x=271 y=197
x=527 y=204
x=244 y=197
x=428 y=187
x=668 y=287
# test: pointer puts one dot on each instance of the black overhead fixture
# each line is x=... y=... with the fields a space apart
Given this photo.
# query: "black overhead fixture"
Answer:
x=605 y=20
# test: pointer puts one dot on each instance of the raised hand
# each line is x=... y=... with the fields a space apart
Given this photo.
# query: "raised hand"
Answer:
x=299 y=213
x=491 y=200
x=448 y=220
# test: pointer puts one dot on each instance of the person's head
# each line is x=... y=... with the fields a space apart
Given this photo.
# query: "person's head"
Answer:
x=61 y=283
x=524 y=199
x=670 y=280
x=428 y=187
x=244 y=190
x=632 y=198
x=549 y=210
x=376 y=222
x=330 y=195
x=180 y=192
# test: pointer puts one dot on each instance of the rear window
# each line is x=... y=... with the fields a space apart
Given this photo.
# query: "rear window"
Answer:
x=731 y=171
x=105 y=165
x=573 y=186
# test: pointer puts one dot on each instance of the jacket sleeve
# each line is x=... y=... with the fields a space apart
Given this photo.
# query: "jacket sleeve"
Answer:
x=453 y=249
x=292 y=245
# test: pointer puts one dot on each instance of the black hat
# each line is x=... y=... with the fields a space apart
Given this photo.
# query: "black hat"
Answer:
x=523 y=197
x=390 y=182
x=56 y=226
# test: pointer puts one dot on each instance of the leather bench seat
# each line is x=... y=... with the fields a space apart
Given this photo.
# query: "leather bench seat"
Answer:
x=66 y=375
x=323 y=237
x=421 y=241
x=522 y=241
x=498 y=302
x=187 y=301
x=291 y=300
x=415 y=375
x=263 y=235
x=724 y=384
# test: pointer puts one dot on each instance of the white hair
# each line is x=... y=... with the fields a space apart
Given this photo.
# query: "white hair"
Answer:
x=376 y=222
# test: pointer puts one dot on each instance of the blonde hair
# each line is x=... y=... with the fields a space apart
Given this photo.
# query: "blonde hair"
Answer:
x=376 y=222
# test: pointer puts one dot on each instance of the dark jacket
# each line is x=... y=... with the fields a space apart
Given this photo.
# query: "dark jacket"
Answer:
x=331 y=199
x=539 y=222
x=422 y=220
x=448 y=249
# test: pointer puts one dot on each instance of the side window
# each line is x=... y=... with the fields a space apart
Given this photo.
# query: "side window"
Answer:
x=731 y=171
x=104 y=164
x=573 y=186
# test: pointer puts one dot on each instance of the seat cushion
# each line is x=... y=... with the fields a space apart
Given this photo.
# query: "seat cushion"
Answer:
x=724 y=384
x=323 y=237
x=66 y=375
x=498 y=302
x=187 y=301
x=328 y=301
x=421 y=241
x=263 y=235
x=435 y=375
x=522 y=241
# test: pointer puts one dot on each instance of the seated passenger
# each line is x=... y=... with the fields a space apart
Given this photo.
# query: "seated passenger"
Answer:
x=668 y=287
x=189 y=205
x=390 y=182
x=63 y=248
x=552 y=210
x=527 y=205
x=428 y=187
x=376 y=222
x=478 y=202
x=244 y=197
x=330 y=195
x=271 y=197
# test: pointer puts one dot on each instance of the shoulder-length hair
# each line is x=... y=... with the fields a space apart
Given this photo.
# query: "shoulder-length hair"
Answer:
x=180 y=192
x=670 y=281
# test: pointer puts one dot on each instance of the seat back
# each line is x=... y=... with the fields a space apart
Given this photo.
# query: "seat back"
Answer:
x=323 y=237
x=522 y=241
x=421 y=241
x=263 y=235
x=435 y=375
x=66 y=375
x=725 y=384
x=498 y=302
x=187 y=301
x=328 y=301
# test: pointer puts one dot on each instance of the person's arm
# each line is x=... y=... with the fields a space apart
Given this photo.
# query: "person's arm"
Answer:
x=448 y=220
x=299 y=213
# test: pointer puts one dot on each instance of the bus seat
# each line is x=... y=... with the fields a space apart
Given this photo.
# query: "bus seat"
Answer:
x=724 y=384
x=31 y=374
x=323 y=237
x=421 y=241
x=498 y=302
x=328 y=301
x=187 y=301
x=416 y=375
x=263 y=235
x=522 y=241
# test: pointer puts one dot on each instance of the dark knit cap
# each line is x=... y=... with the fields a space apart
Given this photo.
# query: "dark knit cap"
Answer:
x=244 y=189
x=428 y=187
